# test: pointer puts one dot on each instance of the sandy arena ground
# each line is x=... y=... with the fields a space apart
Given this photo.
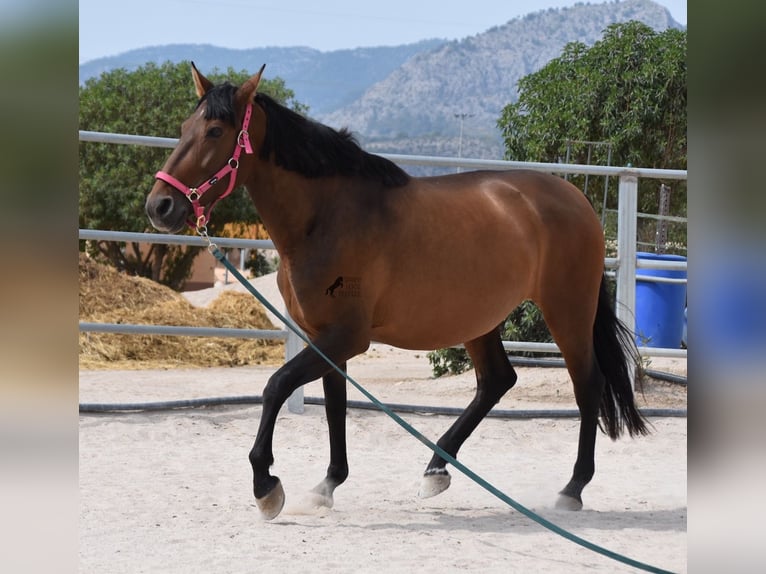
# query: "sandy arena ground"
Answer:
x=172 y=491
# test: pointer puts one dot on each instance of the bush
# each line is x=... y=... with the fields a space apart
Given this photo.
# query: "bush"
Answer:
x=454 y=360
x=259 y=264
x=526 y=323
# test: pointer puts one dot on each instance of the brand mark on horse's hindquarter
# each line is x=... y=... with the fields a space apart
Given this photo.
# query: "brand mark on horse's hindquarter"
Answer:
x=345 y=287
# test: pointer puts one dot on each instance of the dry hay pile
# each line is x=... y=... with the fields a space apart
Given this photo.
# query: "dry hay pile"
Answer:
x=108 y=296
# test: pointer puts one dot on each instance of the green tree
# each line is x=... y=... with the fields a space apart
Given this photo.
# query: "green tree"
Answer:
x=114 y=179
x=629 y=90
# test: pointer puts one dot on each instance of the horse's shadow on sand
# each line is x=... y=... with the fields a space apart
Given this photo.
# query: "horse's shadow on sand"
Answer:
x=665 y=520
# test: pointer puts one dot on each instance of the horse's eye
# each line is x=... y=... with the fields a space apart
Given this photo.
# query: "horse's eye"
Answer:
x=214 y=132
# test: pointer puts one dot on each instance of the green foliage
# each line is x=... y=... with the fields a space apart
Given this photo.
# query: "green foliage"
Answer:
x=114 y=179
x=628 y=89
x=259 y=264
x=453 y=361
x=526 y=323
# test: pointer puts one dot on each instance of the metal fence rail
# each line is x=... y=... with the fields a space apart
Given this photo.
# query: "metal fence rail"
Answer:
x=432 y=161
x=128 y=329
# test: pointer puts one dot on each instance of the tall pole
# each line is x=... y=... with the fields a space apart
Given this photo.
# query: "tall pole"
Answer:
x=461 y=117
x=625 y=307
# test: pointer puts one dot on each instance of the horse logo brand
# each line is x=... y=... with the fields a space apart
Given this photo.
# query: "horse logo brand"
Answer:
x=331 y=289
x=345 y=287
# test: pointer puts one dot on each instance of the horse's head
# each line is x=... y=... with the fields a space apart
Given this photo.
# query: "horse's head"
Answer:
x=203 y=167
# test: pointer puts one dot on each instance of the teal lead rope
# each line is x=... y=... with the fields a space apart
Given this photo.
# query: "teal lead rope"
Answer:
x=434 y=447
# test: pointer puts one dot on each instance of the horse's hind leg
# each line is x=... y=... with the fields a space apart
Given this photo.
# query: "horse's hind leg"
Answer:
x=494 y=376
x=571 y=324
x=588 y=388
x=335 y=408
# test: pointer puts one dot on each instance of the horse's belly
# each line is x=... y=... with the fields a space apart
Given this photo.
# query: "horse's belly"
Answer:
x=429 y=321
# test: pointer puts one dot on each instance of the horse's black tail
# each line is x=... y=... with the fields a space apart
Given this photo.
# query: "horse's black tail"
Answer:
x=617 y=356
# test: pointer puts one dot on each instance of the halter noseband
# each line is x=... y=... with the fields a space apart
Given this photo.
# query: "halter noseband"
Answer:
x=194 y=194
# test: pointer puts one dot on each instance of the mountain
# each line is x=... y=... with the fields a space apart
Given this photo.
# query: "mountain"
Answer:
x=325 y=81
x=475 y=78
x=409 y=99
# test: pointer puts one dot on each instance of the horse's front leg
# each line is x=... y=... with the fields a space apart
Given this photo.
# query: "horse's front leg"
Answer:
x=335 y=407
x=304 y=368
x=494 y=376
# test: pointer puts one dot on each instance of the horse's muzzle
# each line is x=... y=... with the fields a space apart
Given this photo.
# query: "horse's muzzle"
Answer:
x=166 y=212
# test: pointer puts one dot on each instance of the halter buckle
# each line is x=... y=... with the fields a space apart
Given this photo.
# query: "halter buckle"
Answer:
x=201 y=225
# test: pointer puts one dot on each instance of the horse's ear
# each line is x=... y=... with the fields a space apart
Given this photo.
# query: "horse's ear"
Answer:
x=201 y=83
x=248 y=90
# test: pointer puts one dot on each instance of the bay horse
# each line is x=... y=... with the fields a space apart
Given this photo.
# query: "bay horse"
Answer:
x=369 y=253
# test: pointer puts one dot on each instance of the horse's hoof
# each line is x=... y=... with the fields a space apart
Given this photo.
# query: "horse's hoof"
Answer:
x=321 y=495
x=319 y=500
x=271 y=504
x=566 y=502
x=434 y=483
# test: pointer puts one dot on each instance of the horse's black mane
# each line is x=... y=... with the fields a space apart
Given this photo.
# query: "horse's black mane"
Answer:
x=304 y=146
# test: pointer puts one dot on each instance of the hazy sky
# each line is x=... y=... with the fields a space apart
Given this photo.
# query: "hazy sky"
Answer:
x=109 y=28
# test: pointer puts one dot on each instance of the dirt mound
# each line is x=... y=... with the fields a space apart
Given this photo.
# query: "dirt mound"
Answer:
x=108 y=296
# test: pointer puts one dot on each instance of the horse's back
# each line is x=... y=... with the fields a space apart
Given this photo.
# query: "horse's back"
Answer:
x=483 y=221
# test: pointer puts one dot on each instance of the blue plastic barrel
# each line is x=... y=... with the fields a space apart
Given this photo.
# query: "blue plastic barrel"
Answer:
x=660 y=306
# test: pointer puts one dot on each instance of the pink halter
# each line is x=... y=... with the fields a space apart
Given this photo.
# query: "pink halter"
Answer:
x=194 y=194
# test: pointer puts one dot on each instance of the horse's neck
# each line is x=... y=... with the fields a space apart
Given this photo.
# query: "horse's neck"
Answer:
x=287 y=204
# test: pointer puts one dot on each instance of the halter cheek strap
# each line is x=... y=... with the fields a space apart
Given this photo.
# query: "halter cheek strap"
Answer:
x=194 y=194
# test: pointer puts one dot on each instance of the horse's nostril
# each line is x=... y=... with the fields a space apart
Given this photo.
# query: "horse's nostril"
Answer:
x=165 y=214
x=165 y=206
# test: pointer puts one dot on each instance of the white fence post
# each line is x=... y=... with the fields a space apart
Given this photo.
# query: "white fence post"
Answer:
x=627 y=210
x=293 y=346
